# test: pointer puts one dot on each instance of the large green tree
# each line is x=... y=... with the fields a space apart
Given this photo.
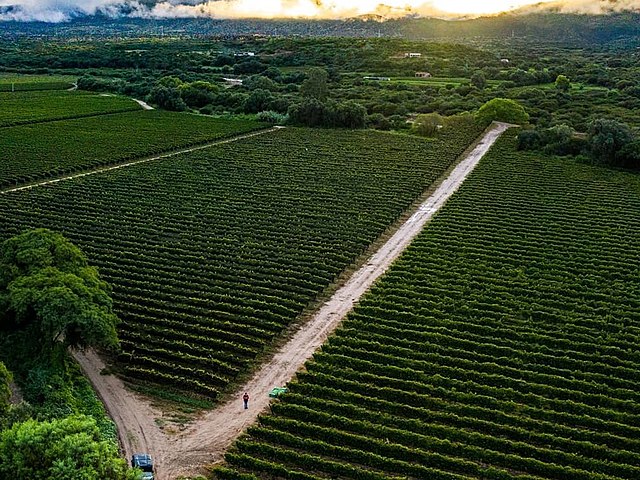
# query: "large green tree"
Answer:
x=315 y=86
x=607 y=141
x=503 y=110
x=66 y=449
x=563 y=83
x=49 y=292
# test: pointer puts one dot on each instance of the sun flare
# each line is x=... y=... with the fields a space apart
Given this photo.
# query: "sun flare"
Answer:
x=480 y=7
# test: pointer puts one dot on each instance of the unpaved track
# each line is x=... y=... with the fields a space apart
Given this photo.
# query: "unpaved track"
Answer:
x=144 y=105
x=142 y=160
x=135 y=419
x=205 y=441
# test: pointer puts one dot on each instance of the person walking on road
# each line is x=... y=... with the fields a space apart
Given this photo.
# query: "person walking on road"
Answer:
x=245 y=399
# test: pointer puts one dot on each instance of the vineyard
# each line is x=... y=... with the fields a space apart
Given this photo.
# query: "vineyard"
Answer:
x=32 y=152
x=9 y=83
x=502 y=345
x=20 y=108
x=213 y=253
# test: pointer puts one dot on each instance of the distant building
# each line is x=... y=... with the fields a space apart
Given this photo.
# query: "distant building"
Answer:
x=412 y=55
x=231 y=82
x=379 y=79
x=423 y=75
x=244 y=54
x=504 y=61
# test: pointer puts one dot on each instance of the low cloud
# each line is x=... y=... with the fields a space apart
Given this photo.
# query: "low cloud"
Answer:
x=65 y=10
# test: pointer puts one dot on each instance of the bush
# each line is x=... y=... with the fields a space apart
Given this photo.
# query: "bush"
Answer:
x=428 y=125
x=269 y=116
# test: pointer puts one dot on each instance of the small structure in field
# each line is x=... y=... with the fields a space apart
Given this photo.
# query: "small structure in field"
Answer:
x=505 y=61
x=412 y=55
x=244 y=54
x=423 y=75
x=378 y=79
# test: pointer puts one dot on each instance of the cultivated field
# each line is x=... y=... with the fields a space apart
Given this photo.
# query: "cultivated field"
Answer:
x=502 y=345
x=31 y=107
x=11 y=82
x=212 y=254
x=33 y=152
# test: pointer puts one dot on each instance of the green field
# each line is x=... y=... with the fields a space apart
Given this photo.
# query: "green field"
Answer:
x=18 y=108
x=502 y=345
x=11 y=82
x=32 y=152
x=437 y=81
x=213 y=254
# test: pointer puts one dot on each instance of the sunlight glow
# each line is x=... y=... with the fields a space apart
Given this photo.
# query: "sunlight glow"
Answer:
x=480 y=7
x=347 y=8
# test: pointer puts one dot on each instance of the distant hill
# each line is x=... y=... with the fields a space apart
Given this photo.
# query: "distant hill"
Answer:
x=569 y=29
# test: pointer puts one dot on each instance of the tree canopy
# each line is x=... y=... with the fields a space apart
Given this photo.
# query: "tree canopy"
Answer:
x=503 y=110
x=48 y=291
x=609 y=142
x=315 y=86
x=563 y=83
x=66 y=449
x=5 y=390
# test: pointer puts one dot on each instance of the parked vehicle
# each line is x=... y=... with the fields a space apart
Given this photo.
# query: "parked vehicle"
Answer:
x=144 y=462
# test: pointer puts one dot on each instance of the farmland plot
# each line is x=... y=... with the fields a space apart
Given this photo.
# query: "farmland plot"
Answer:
x=32 y=152
x=18 y=108
x=502 y=345
x=213 y=253
x=12 y=82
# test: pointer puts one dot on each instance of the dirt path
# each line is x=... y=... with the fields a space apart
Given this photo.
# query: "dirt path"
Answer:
x=206 y=440
x=144 y=105
x=135 y=419
x=142 y=160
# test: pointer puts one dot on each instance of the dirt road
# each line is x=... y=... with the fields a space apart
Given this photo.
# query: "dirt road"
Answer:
x=205 y=441
x=144 y=105
x=135 y=418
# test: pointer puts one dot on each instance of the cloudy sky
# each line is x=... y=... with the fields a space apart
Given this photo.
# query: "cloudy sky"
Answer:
x=62 y=10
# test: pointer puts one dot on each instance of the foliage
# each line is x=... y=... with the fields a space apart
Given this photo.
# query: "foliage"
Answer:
x=48 y=290
x=258 y=101
x=313 y=113
x=198 y=94
x=315 y=86
x=310 y=112
x=5 y=390
x=563 y=83
x=502 y=110
x=275 y=118
x=479 y=80
x=34 y=152
x=64 y=449
x=214 y=253
x=488 y=350
x=350 y=114
x=607 y=140
x=427 y=125
x=167 y=98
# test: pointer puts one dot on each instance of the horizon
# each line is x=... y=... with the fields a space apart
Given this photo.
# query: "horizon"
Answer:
x=55 y=11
